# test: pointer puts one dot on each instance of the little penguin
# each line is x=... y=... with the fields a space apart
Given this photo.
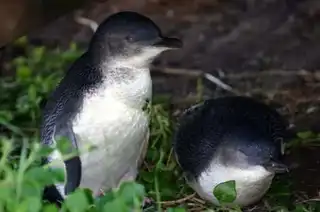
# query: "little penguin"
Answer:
x=101 y=102
x=232 y=138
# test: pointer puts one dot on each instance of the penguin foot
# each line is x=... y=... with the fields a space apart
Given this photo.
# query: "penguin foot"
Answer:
x=148 y=205
x=101 y=193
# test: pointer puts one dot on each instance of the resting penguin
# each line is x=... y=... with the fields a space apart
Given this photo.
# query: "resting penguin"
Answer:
x=100 y=102
x=231 y=138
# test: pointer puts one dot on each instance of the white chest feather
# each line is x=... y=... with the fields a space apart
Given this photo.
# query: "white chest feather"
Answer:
x=112 y=119
x=251 y=184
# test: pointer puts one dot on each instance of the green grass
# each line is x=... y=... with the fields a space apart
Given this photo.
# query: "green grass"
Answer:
x=37 y=73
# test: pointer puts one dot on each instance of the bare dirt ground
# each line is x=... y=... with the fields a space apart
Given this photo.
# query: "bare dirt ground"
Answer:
x=266 y=48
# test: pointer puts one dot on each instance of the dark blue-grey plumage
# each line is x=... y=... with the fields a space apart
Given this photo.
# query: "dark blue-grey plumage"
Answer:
x=237 y=122
x=63 y=104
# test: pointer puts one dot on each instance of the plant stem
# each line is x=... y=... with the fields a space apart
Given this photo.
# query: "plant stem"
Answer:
x=21 y=170
x=5 y=151
x=156 y=183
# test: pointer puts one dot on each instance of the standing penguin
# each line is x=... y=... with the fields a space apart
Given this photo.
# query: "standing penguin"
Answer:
x=231 y=138
x=100 y=102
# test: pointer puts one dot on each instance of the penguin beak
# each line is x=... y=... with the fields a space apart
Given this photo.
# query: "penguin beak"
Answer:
x=276 y=167
x=171 y=43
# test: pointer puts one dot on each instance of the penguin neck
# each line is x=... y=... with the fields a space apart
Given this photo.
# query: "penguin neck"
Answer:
x=133 y=64
x=126 y=78
x=125 y=81
x=118 y=63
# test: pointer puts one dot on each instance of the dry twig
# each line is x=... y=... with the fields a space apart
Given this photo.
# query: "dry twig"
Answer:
x=196 y=73
x=85 y=21
x=178 y=201
x=200 y=201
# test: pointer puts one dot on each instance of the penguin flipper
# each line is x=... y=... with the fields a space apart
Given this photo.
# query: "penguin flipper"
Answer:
x=71 y=166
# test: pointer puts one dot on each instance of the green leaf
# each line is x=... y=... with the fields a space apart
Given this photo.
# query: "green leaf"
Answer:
x=31 y=204
x=45 y=176
x=73 y=46
x=77 y=201
x=147 y=176
x=23 y=72
x=131 y=192
x=44 y=151
x=34 y=204
x=115 y=205
x=101 y=201
x=2 y=206
x=6 y=192
x=283 y=209
x=32 y=188
x=64 y=145
x=176 y=210
x=50 y=208
x=22 y=41
x=57 y=174
x=38 y=53
x=89 y=195
x=225 y=192
x=32 y=92
x=40 y=175
x=305 y=135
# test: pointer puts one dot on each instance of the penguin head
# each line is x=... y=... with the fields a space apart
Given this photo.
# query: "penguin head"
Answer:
x=132 y=37
x=245 y=149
